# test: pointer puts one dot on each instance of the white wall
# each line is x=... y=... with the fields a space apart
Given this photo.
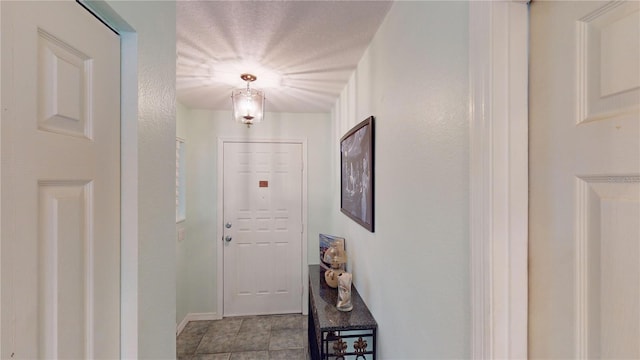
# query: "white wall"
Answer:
x=203 y=128
x=155 y=40
x=413 y=271
x=182 y=256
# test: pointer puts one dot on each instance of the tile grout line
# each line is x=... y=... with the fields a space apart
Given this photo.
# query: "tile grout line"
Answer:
x=195 y=351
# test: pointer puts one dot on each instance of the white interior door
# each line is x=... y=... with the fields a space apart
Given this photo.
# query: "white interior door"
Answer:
x=263 y=225
x=60 y=183
x=584 y=180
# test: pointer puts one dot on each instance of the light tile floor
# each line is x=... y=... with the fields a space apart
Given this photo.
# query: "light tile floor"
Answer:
x=243 y=338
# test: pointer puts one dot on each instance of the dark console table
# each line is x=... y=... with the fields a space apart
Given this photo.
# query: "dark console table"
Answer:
x=337 y=335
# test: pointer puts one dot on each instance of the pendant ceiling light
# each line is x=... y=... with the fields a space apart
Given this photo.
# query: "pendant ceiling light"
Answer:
x=248 y=104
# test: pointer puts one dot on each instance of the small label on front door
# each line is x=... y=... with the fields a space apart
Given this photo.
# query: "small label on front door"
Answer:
x=264 y=183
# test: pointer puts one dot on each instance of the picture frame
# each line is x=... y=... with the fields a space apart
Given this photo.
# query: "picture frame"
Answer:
x=357 y=174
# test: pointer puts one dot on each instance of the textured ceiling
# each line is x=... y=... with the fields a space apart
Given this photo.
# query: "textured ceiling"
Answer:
x=302 y=52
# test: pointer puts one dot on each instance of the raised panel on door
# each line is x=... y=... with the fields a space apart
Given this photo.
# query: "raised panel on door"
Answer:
x=60 y=245
x=263 y=204
x=584 y=240
x=608 y=267
x=65 y=246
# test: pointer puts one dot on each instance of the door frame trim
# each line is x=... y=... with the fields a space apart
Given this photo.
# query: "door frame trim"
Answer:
x=129 y=241
x=498 y=84
x=220 y=219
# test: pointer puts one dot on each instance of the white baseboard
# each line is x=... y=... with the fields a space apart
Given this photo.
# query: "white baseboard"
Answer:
x=196 y=317
x=182 y=324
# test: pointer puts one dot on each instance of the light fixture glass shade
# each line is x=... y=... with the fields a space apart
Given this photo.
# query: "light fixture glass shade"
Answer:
x=248 y=105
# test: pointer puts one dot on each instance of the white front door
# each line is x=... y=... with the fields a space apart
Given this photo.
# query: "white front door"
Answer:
x=584 y=180
x=263 y=228
x=60 y=183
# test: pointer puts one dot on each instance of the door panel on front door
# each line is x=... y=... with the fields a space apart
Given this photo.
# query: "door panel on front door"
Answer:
x=60 y=183
x=584 y=244
x=263 y=204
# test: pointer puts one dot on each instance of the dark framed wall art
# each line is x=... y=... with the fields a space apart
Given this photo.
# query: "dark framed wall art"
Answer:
x=357 y=172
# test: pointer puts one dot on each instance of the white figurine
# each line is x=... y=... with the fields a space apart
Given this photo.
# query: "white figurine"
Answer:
x=344 y=292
